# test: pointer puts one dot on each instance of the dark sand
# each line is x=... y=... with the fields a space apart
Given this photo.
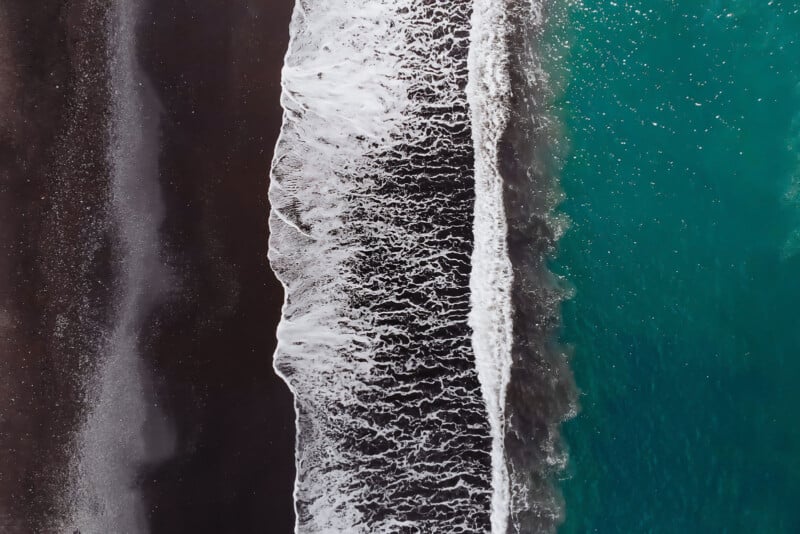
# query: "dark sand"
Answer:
x=53 y=295
x=215 y=66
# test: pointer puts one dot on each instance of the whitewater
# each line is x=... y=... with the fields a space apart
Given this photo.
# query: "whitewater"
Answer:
x=405 y=319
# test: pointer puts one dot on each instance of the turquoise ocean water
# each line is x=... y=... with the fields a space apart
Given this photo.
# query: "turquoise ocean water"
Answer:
x=681 y=174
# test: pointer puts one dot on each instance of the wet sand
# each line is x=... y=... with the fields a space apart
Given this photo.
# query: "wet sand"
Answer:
x=216 y=68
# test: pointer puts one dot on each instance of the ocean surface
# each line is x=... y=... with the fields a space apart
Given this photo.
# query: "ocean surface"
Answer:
x=680 y=156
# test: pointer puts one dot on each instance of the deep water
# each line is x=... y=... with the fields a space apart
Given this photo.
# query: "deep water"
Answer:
x=681 y=173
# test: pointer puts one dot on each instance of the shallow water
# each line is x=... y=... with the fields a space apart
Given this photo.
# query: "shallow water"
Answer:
x=682 y=122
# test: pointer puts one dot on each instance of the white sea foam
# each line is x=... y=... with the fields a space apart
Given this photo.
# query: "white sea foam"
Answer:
x=389 y=234
x=491 y=312
x=123 y=430
x=371 y=237
x=336 y=87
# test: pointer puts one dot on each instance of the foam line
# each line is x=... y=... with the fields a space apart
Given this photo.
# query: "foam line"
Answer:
x=490 y=284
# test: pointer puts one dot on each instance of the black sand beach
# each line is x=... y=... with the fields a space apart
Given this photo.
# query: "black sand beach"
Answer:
x=215 y=66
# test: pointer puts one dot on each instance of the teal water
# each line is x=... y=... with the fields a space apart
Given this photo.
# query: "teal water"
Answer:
x=682 y=181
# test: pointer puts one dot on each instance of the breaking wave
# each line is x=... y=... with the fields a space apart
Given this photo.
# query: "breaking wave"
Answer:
x=394 y=216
